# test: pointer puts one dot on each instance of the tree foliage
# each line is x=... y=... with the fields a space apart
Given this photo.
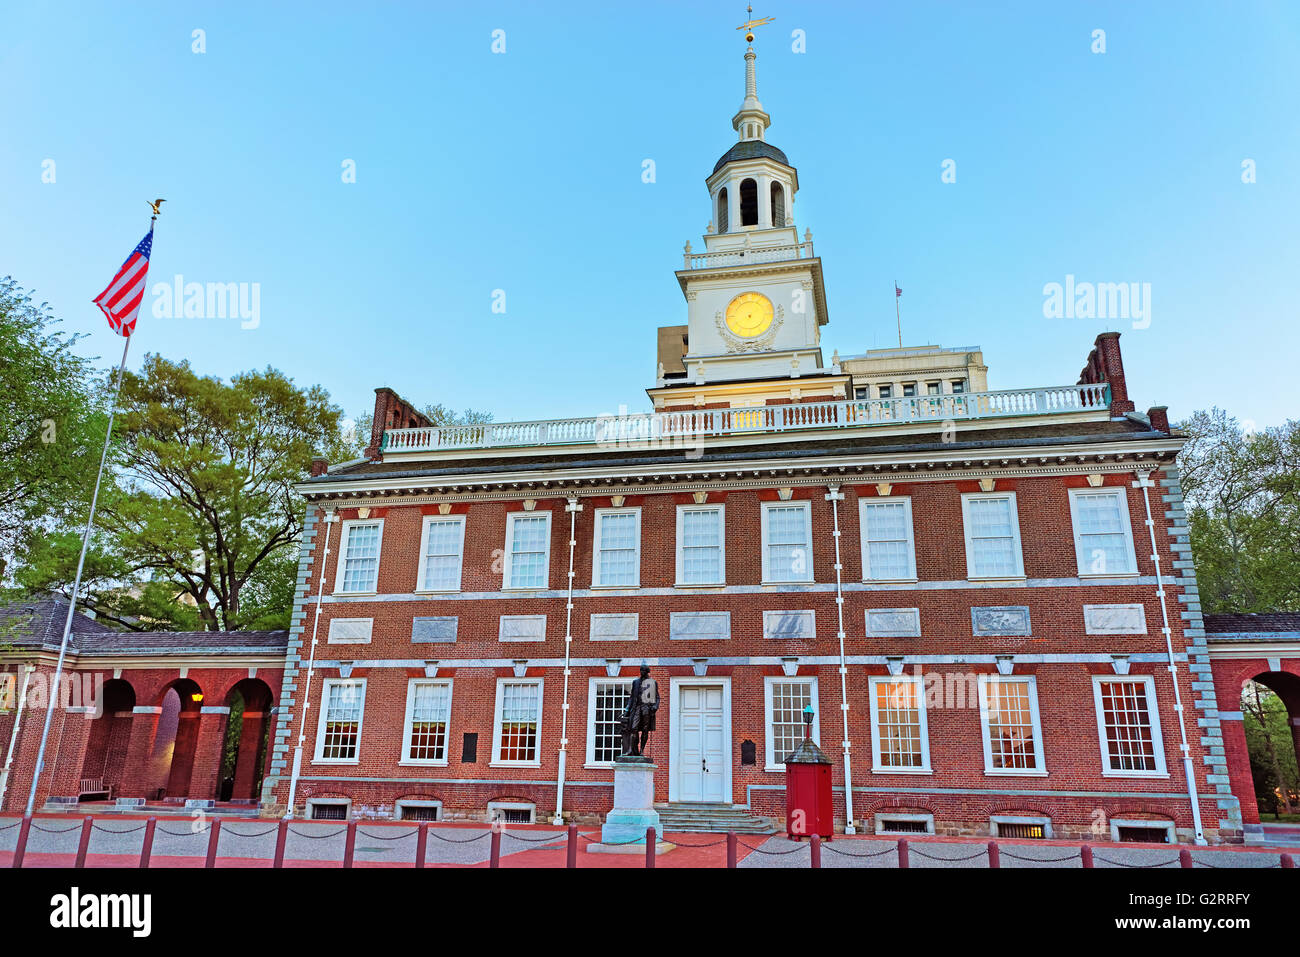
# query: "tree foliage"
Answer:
x=1242 y=491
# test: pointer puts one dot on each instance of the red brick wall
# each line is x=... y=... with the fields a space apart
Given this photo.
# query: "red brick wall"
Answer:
x=1064 y=689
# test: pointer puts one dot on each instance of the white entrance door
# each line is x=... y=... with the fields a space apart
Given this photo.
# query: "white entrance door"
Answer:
x=702 y=770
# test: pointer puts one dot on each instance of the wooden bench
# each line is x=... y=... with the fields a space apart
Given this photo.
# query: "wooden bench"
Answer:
x=95 y=786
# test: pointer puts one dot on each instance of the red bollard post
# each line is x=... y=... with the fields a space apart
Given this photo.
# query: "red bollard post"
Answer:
x=815 y=845
x=902 y=853
x=571 y=859
x=83 y=845
x=1184 y=858
x=494 y=858
x=649 y=848
x=421 y=843
x=350 y=846
x=731 y=848
x=146 y=851
x=21 y=850
x=1288 y=860
x=214 y=836
x=995 y=855
x=1085 y=852
x=281 y=837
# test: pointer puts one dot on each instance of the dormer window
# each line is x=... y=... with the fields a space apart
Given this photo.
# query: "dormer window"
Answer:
x=748 y=203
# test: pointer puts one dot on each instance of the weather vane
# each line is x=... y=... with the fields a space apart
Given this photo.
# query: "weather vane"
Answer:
x=748 y=25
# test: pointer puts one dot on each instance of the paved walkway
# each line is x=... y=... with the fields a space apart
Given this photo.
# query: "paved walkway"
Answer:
x=182 y=842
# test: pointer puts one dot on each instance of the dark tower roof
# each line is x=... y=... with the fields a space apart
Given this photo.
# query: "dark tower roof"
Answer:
x=751 y=149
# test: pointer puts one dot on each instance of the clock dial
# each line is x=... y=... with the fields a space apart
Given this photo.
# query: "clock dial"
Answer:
x=749 y=314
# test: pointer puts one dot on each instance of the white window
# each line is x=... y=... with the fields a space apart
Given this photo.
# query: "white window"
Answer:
x=616 y=549
x=1128 y=726
x=517 y=731
x=992 y=535
x=784 y=703
x=888 y=547
x=338 y=736
x=899 y=735
x=606 y=699
x=1103 y=537
x=359 y=556
x=428 y=714
x=528 y=550
x=1013 y=739
x=442 y=545
x=787 y=542
x=701 y=550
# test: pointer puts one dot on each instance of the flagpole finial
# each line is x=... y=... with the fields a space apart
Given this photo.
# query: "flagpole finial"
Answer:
x=156 y=207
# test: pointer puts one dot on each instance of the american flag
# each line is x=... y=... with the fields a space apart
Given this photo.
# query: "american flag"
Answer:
x=120 y=302
x=897 y=292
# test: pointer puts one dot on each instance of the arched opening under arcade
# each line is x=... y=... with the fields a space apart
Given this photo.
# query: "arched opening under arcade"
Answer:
x=1270 y=711
x=110 y=736
x=243 y=753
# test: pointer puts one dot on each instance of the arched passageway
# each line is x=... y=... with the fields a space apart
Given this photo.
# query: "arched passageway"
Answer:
x=1270 y=708
x=110 y=735
x=244 y=752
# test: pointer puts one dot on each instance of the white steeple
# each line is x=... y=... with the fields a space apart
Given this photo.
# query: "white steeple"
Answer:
x=750 y=121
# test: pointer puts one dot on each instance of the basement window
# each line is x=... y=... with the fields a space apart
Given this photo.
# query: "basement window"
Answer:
x=417 y=811
x=1146 y=832
x=1022 y=828
x=509 y=812
x=328 y=810
x=904 y=823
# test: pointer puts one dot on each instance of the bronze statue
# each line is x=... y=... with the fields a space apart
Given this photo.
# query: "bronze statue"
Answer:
x=639 y=716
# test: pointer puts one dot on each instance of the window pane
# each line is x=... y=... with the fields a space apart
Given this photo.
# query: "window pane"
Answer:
x=343 y=702
x=787 y=543
x=993 y=545
x=1010 y=725
x=607 y=740
x=789 y=698
x=361 y=561
x=528 y=543
x=1129 y=742
x=442 y=556
x=1102 y=540
x=702 y=546
x=520 y=704
x=898 y=724
x=430 y=710
x=616 y=564
x=887 y=537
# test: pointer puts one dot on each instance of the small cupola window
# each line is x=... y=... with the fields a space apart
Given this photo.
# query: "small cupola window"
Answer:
x=748 y=203
x=722 y=210
x=778 y=205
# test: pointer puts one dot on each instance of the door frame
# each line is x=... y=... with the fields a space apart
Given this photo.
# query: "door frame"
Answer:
x=674 y=740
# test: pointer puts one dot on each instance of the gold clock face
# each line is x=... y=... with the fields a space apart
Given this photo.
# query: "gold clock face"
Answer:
x=749 y=314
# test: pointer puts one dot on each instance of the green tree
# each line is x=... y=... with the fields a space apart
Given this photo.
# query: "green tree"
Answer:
x=202 y=523
x=1242 y=491
x=51 y=423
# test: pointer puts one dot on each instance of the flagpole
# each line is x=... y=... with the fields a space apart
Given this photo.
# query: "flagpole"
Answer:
x=51 y=700
x=898 y=314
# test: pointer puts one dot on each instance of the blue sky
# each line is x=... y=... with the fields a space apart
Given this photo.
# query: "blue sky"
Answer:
x=522 y=172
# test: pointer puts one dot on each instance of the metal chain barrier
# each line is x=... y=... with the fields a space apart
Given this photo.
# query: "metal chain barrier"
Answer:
x=913 y=849
x=758 y=850
x=55 y=830
x=1041 y=860
x=398 y=837
x=448 y=840
x=534 y=840
x=7 y=826
x=679 y=844
x=317 y=837
x=126 y=830
x=227 y=832
x=828 y=846
x=1107 y=860
x=181 y=833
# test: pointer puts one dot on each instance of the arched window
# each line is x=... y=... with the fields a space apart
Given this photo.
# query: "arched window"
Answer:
x=778 y=205
x=748 y=203
x=722 y=210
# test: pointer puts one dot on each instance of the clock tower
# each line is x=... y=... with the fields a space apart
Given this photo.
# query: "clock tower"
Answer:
x=755 y=301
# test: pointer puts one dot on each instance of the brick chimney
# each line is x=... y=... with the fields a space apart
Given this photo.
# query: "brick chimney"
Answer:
x=319 y=465
x=1105 y=364
x=391 y=412
x=1159 y=416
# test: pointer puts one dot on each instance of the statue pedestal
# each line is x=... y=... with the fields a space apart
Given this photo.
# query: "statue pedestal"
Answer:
x=634 y=811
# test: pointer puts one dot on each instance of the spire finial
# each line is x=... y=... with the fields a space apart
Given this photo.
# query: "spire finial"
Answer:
x=751 y=122
x=750 y=23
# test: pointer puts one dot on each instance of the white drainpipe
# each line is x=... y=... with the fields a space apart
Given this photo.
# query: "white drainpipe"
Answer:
x=1144 y=483
x=573 y=508
x=835 y=497
x=13 y=737
x=330 y=518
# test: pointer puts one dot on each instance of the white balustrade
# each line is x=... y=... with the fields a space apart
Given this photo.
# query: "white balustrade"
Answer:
x=639 y=429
